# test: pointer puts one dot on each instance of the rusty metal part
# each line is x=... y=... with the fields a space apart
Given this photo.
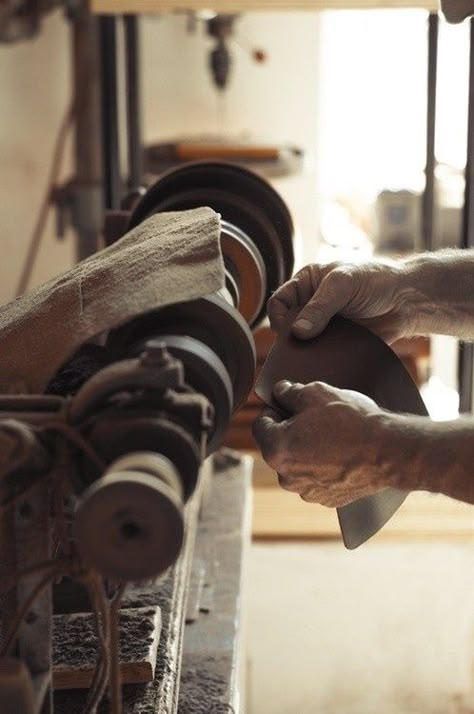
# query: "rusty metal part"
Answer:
x=247 y=266
x=16 y=687
x=130 y=523
x=27 y=542
x=209 y=320
x=20 y=19
x=117 y=435
x=20 y=448
x=207 y=375
x=243 y=199
x=154 y=369
x=348 y=356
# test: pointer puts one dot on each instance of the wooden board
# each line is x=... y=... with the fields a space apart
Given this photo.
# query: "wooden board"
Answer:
x=139 y=637
x=280 y=515
x=231 y=6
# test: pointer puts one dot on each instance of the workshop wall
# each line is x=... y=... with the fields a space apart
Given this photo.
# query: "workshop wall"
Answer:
x=272 y=102
x=276 y=101
x=34 y=87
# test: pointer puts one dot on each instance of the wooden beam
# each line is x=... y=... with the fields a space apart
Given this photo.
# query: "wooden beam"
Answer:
x=231 y=6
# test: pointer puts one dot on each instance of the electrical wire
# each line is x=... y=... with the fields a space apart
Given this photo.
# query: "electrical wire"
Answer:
x=115 y=683
x=101 y=612
x=40 y=225
x=11 y=635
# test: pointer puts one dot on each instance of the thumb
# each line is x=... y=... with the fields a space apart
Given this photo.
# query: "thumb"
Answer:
x=332 y=296
x=289 y=395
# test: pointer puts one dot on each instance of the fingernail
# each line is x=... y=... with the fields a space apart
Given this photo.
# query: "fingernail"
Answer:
x=303 y=324
x=282 y=384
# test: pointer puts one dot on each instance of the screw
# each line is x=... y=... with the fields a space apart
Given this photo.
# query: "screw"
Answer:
x=155 y=354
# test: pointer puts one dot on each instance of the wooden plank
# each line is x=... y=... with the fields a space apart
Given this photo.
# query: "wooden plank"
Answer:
x=278 y=514
x=230 y=6
x=75 y=647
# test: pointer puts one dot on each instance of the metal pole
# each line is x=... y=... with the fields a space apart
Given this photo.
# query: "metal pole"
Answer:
x=87 y=208
x=110 y=118
x=133 y=100
x=466 y=353
x=428 y=195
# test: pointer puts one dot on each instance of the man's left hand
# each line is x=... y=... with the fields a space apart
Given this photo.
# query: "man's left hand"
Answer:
x=326 y=444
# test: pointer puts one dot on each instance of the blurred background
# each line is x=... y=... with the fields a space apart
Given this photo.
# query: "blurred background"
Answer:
x=339 y=100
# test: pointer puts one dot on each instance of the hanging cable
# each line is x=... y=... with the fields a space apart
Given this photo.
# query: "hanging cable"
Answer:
x=40 y=225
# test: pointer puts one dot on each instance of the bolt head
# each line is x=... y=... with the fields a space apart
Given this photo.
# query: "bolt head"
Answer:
x=155 y=354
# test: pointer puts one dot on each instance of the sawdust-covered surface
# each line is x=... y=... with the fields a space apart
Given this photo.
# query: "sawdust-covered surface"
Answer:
x=169 y=594
x=75 y=641
x=210 y=666
x=202 y=671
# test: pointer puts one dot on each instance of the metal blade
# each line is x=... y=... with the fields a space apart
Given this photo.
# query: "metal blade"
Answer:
x=348 y=356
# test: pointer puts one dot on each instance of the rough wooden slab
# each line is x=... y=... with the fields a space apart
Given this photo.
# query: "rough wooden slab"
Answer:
x=75 y=647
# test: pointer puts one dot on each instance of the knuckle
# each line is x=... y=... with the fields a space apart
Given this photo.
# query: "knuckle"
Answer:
x=271 y=454
x=310 y=495
x=315 y=390
x=341 y=278
x=328 y=500
x=287 y=483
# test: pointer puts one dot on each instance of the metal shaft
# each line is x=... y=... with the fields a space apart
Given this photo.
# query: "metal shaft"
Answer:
x=133 y=100
x=466 y=353
x=428 y=195
x=87 y=211
x=110 y=118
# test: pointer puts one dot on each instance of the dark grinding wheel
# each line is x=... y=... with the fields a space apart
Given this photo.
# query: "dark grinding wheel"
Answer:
x=243 y=199
x=209 y=320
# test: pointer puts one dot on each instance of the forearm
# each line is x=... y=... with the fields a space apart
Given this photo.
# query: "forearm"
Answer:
x=439 y=288
x=418 y=454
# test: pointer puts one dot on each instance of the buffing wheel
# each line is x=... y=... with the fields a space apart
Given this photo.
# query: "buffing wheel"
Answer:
x=243 y=199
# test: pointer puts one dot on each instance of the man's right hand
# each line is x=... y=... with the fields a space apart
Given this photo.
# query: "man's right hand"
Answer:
x=374 y=294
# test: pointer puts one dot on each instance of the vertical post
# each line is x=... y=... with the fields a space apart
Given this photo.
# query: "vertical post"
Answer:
x=133 y=99
x=33 y=545
x=466 y=351
x=110 y=117
x=428 y=195
x=87 y=198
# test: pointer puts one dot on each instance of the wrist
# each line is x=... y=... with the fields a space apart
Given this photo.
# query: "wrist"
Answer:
x=401 y=446
x=417 y=454
x=419 y=280
x=440 y=288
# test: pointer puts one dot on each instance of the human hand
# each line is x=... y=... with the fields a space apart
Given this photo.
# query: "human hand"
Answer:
x=374 y=294
x=330 y=447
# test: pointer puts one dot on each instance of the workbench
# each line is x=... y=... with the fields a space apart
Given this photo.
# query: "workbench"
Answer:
x=198 y=665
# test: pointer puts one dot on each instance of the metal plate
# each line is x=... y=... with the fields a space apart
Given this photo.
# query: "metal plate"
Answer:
x=348 y=356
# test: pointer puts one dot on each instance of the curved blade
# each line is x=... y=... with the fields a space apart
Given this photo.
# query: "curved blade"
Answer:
x=348 y=356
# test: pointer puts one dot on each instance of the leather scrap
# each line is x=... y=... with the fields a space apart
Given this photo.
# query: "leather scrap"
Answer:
x=348 y=356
